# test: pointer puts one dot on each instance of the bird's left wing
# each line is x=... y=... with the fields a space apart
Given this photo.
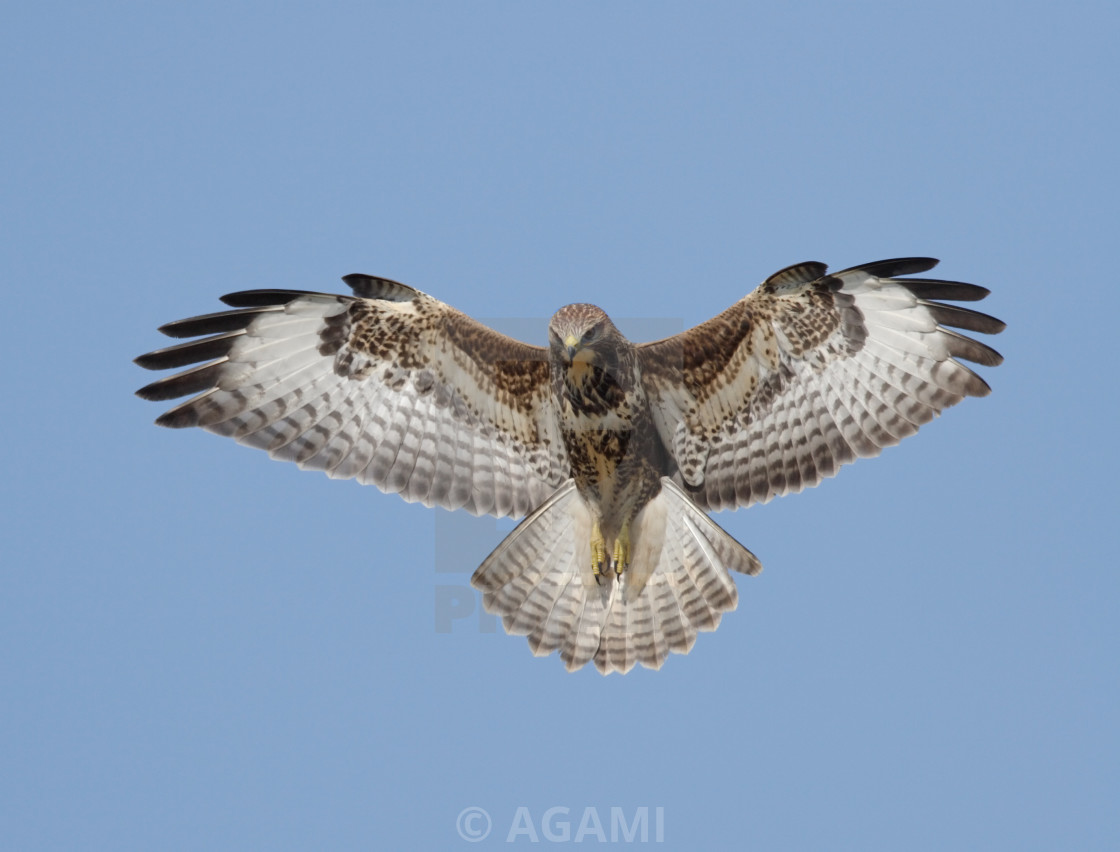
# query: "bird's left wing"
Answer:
x=388 y=386
x=811 y=371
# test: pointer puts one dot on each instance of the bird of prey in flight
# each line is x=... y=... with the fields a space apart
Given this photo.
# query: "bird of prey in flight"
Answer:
x=613 y=452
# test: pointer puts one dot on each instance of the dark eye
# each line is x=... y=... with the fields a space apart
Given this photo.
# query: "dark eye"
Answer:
x=590 y=334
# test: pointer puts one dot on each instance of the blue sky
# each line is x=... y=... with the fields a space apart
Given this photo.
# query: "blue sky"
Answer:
x=202 y=648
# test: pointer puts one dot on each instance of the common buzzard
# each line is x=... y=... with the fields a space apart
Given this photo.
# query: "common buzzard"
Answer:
x=616 y=452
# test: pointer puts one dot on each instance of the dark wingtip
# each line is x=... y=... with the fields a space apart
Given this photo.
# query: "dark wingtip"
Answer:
x=191 y=352
x=195 y=380
x=960 y=346
x=978 y=388
x=896 y=266
x=956 y=291
x=149 y=392
x=262 y=298
x=958 y=317
x=182 y=417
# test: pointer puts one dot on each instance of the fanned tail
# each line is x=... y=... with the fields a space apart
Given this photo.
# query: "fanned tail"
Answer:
x=678 y=582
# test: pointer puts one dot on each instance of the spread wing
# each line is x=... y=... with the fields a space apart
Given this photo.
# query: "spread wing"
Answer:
x=388 y=386
x=809 y=372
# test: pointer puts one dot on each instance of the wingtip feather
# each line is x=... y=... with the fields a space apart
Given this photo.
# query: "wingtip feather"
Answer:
x=265 y=298
x=894 y=266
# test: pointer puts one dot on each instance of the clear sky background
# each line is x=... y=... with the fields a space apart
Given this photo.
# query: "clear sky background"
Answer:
x=202 y=648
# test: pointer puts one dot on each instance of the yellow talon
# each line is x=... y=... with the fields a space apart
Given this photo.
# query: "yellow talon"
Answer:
x=622 y=549
x=598 y=549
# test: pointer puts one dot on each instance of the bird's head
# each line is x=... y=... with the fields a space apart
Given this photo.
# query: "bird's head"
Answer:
x=581 y=335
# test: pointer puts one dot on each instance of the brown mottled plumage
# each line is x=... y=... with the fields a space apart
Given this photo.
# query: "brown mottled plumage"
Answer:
x=615 y=455
x=614 y=451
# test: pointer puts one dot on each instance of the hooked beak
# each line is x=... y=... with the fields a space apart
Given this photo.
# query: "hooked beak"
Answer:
x=572 y=346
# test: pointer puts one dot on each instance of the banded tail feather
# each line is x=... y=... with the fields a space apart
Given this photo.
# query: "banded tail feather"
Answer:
x=678 y=583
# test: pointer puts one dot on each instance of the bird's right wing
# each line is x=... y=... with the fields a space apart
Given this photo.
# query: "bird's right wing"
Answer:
x=389 y=386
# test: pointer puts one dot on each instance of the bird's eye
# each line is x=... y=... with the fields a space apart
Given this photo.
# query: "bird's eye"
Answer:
x=590 y=334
